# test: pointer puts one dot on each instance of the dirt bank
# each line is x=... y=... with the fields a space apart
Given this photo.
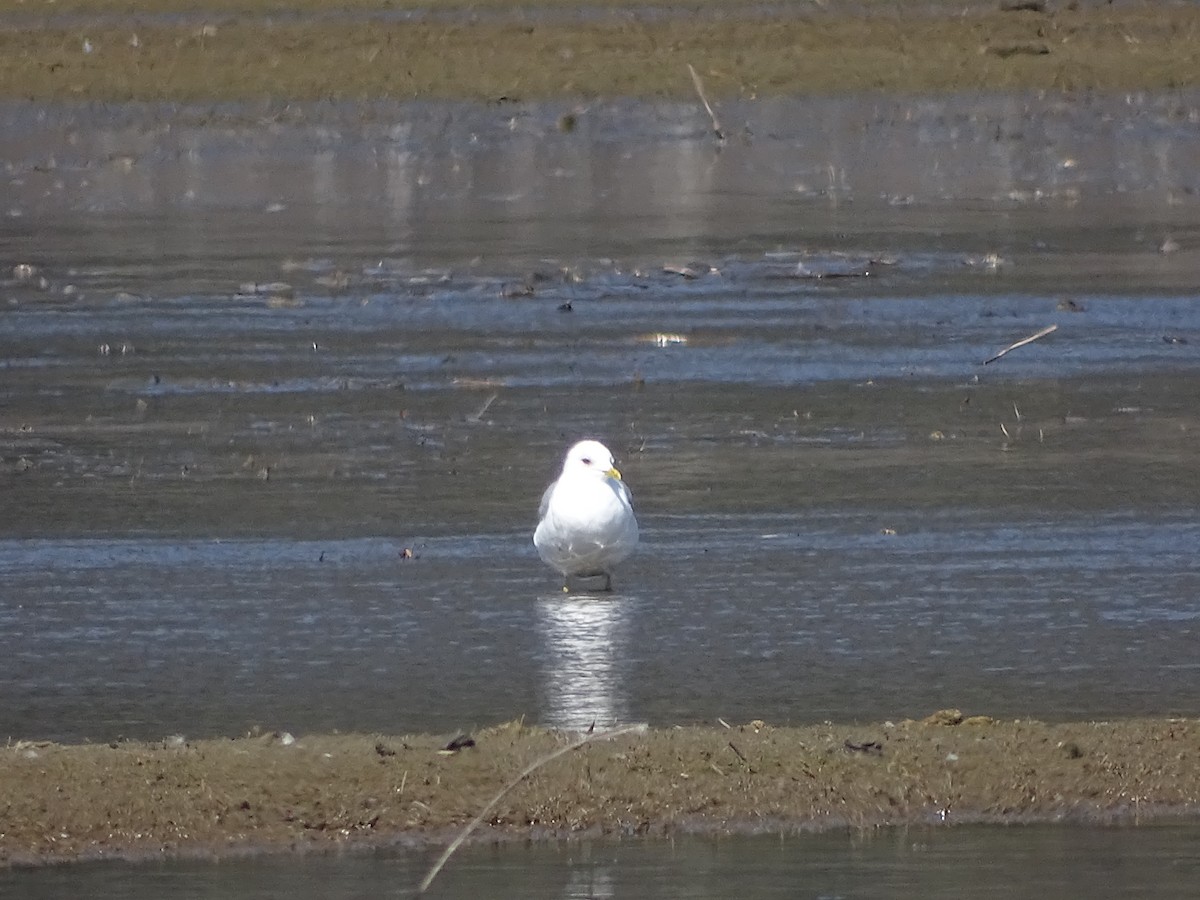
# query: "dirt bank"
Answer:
x=273 y=793
x=222 y=50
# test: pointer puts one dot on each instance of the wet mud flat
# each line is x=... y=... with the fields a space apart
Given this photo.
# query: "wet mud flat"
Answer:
x=276 y=793
x=224 y=50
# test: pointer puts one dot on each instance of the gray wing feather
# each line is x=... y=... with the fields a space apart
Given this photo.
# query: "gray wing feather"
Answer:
x=627 y=493
x=546 y=501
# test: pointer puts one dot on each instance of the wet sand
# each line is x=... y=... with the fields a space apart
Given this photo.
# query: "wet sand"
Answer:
x=221 y=50
x=275 y=793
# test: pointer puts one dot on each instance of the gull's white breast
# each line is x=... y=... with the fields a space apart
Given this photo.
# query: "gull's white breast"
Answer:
x=587 y=525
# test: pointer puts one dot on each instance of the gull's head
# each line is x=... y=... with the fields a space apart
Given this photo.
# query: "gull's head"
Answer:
x=590 y=457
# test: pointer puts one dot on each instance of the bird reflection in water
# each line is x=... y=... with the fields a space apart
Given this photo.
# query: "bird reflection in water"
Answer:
x=583 y=643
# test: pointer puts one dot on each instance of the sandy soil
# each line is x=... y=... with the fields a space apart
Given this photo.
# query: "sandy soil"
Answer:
x=270 y=792
x=220 y=50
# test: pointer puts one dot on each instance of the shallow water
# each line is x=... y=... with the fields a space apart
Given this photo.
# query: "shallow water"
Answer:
x=975 y=861
x=790 y=618
x=249 y=357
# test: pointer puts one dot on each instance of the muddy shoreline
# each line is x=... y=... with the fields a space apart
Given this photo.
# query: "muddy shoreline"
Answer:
x=222 y=51
x=276 y=793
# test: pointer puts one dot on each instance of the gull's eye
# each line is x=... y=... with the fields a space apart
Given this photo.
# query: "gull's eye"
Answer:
x=587 y=461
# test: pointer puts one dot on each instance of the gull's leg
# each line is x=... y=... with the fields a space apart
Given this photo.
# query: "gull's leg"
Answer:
x=607 y=582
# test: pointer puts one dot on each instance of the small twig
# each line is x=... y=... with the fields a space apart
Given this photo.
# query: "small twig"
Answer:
x=477 y=416
x=1021 y=343
x=525 y=773
x=708 y=106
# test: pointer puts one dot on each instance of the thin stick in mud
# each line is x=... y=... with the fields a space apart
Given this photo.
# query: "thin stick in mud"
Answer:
x=1021 y=343
x=716 y=126
x=525 y=773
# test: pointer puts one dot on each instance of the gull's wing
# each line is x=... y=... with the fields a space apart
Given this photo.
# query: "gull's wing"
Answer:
x=546 y=500
x=628 y=494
